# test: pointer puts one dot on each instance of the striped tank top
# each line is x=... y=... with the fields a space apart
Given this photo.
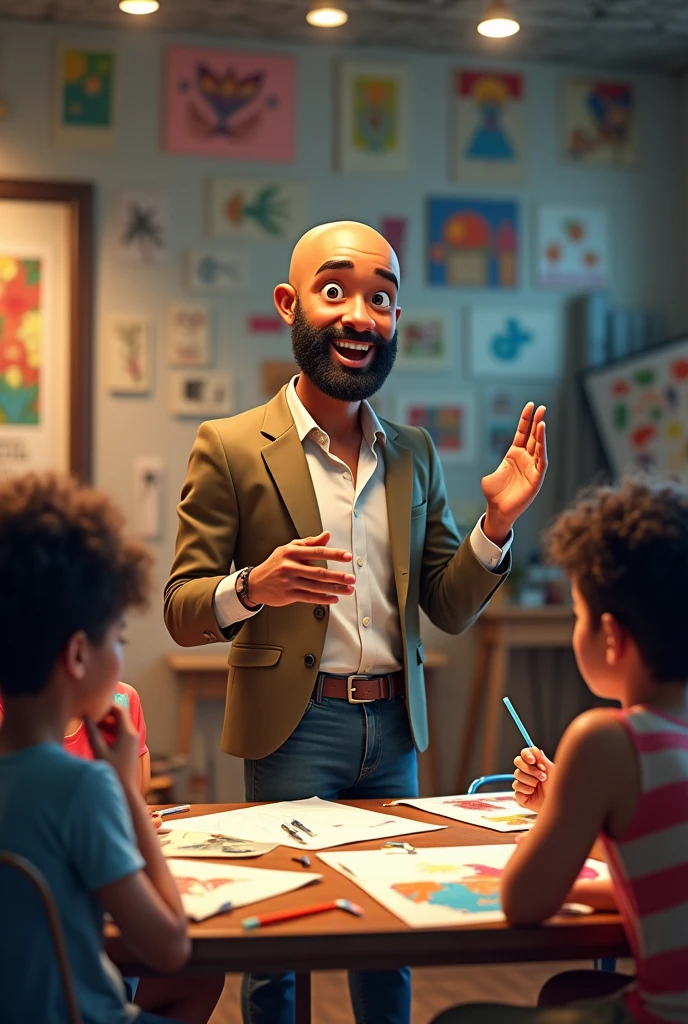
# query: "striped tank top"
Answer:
x=649 y=866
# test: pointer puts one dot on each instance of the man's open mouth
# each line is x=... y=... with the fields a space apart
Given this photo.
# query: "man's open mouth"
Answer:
x=354 y=353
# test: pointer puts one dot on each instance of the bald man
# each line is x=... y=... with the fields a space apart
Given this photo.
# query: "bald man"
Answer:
x=338 y=526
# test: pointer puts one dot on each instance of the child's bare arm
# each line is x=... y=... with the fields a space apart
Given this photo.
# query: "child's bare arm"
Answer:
x=144 y=774
x=596 y=768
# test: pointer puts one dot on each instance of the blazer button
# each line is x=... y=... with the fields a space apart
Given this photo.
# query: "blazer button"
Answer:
x=309 y=660
x=319 y=611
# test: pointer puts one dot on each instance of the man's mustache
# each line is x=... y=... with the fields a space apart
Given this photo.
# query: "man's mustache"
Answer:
x=334 y=334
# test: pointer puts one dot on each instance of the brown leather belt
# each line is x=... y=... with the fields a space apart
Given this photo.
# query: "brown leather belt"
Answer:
x=360 y=689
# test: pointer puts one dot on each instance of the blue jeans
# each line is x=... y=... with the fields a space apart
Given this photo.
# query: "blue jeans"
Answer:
x=338 y=751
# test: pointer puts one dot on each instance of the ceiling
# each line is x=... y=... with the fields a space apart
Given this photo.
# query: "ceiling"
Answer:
x=640 y=35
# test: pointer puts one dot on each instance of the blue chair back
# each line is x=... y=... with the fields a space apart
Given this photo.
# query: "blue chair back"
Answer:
x=490 y=780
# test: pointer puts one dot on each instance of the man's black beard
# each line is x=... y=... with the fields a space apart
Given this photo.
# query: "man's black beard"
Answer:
x=312 y=353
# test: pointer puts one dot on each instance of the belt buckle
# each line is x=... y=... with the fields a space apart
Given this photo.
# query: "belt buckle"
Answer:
x=351 y=689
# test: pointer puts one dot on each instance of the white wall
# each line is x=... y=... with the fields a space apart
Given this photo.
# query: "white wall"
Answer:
x=646 y=209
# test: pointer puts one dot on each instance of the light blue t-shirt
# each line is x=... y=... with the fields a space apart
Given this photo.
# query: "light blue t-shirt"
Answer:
x=69 y=818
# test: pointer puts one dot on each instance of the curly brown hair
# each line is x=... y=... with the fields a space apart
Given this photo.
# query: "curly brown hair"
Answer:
x=65 y=566
x=626 y=548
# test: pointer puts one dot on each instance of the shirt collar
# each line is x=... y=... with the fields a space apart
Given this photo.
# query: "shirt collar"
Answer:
x=306 y=425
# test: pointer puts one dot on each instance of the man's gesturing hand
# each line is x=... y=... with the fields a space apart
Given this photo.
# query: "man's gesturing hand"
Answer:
x=288 y=575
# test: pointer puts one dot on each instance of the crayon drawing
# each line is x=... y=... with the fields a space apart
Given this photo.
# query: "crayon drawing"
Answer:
x=130 y=356
x=373 y=118
x=142 y=227
x=187 y=334
x=252 y=209
x=572 y=247
x=21 y=339
x=425 y=340
x=600 y=122
x=515 y=343
x=472 y=243
x=449 y=421
x=84 y=97
x=489 y=127
x=497 y=811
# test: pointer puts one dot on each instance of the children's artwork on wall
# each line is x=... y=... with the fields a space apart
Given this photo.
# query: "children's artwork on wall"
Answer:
x=201 y=394
x=473 y=242
x=394 y=229
x=130 y=359
x=514 y=343
x=489 y=127
x=233 y=105
x=274 y=374
x=22 y=342
x=257 y=210
x=187 y=334
x=425 y=340
x=502 y=415
x=449 y=421
x=84 y=96
x=217 y=273
x=265 y=323
x=373 y=118
x=600 y=122
x=142 y=227
x=573 y=247
x=640 y=409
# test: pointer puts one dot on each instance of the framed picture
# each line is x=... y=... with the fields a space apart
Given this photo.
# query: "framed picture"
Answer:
x=599 y=123
x=256 y=210
x=274 y=374
x=489 y=127
x=472 y=243
x=502 y=412
x=425 y=340
x=572 y=247
x=639 y=405
x=217 y=273
x=449 y=421
x=511 y=343
x=201 y=394
x=84 y=96
x=233 y=105
x=130 y=356
x=46 y=294
x=187 y=334
x=373 y=122
x=142 y=227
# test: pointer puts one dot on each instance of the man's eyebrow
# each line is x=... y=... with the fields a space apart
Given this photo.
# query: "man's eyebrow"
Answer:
x=336 y=265
x=388 y=276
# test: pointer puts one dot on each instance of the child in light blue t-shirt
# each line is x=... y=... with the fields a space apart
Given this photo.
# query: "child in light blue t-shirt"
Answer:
x=68 y=575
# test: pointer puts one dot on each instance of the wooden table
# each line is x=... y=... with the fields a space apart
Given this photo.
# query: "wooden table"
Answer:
x=204 y=677
x=502 y=629
x=379 y=940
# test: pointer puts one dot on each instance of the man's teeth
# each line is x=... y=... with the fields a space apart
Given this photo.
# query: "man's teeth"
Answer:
x=356 y=345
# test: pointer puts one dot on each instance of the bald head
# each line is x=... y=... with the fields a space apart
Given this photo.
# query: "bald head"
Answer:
x=337 y=242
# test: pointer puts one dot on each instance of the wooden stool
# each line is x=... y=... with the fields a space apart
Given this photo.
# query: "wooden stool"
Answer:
x=500 y=630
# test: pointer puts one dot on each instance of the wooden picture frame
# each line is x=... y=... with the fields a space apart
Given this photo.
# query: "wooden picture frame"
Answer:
x=77 y=198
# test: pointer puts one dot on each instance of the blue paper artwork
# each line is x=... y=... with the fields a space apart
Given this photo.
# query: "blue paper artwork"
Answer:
x=472 y=243
x=515 y=344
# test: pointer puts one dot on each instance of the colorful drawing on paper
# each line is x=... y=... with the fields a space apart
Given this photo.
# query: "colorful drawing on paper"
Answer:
x=489 y=127
x=394 y=229
x=448 y=421
x=424 y=340
x=521 y=343
x=142 y=228
x=640 y=406
x=497 y=811
x=502 y=418
x=373 y=118
x=129 y=356
x=217 y=273
x=206 y=844
x=21 y=339
x=473 y=243
x=233 y=105
x=478 y=891
x=572 y=247
x=204 y=394
x=600 y=122
x=85 y=96
x=254 y=209
x=187 y=334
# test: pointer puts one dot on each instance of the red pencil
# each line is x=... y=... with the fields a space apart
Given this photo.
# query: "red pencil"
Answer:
x=277 y=916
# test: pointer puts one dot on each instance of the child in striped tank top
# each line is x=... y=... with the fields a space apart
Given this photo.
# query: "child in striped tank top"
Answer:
x=620 y=774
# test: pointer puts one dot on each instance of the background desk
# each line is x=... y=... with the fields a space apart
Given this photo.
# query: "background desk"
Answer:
x=204 y=677
x=379 y=940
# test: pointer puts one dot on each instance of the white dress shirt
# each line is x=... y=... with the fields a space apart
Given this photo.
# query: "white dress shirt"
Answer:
x=364 y=631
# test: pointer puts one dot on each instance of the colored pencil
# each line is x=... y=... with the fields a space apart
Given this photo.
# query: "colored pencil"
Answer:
x=179 y=809
x=277 y=916
x=519 y=724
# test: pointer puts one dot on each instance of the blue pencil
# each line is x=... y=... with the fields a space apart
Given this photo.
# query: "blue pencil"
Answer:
x=519 y=724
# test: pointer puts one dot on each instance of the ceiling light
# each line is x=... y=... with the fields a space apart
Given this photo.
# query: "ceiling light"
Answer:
x=139 y=6
x=326 y=14
x=499 y=20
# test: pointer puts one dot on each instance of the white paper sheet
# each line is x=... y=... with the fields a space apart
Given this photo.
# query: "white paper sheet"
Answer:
x=175 y=843
x=438 y=886
x=498 y=811
x=333 y=824
x=208 y=889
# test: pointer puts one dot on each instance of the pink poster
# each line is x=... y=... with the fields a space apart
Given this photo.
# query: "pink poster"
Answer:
x=231 y=105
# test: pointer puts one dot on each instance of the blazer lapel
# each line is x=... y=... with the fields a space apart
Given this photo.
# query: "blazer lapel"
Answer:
x=286 y=462
x=399 y=488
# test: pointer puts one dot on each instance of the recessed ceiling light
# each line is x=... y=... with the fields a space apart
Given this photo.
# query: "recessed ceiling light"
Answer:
x=499 y=21
x=326 y=14
x=139 y=6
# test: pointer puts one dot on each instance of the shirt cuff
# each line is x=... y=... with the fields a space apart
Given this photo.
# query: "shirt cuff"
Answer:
x=227 y=606
x=490 y=554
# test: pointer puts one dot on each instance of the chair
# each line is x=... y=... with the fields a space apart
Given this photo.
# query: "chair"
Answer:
x=493 y=780
x=32 y=875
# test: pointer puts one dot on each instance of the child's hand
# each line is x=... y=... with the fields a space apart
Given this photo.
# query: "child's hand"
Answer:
x=532 y=778
x=123 y=753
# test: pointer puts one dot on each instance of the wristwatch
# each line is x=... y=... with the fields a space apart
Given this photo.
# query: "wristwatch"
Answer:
x=241 y=587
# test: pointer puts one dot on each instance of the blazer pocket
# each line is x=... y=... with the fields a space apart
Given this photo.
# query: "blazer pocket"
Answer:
x=248 y=656
x=420 y=652
x=419 y=510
